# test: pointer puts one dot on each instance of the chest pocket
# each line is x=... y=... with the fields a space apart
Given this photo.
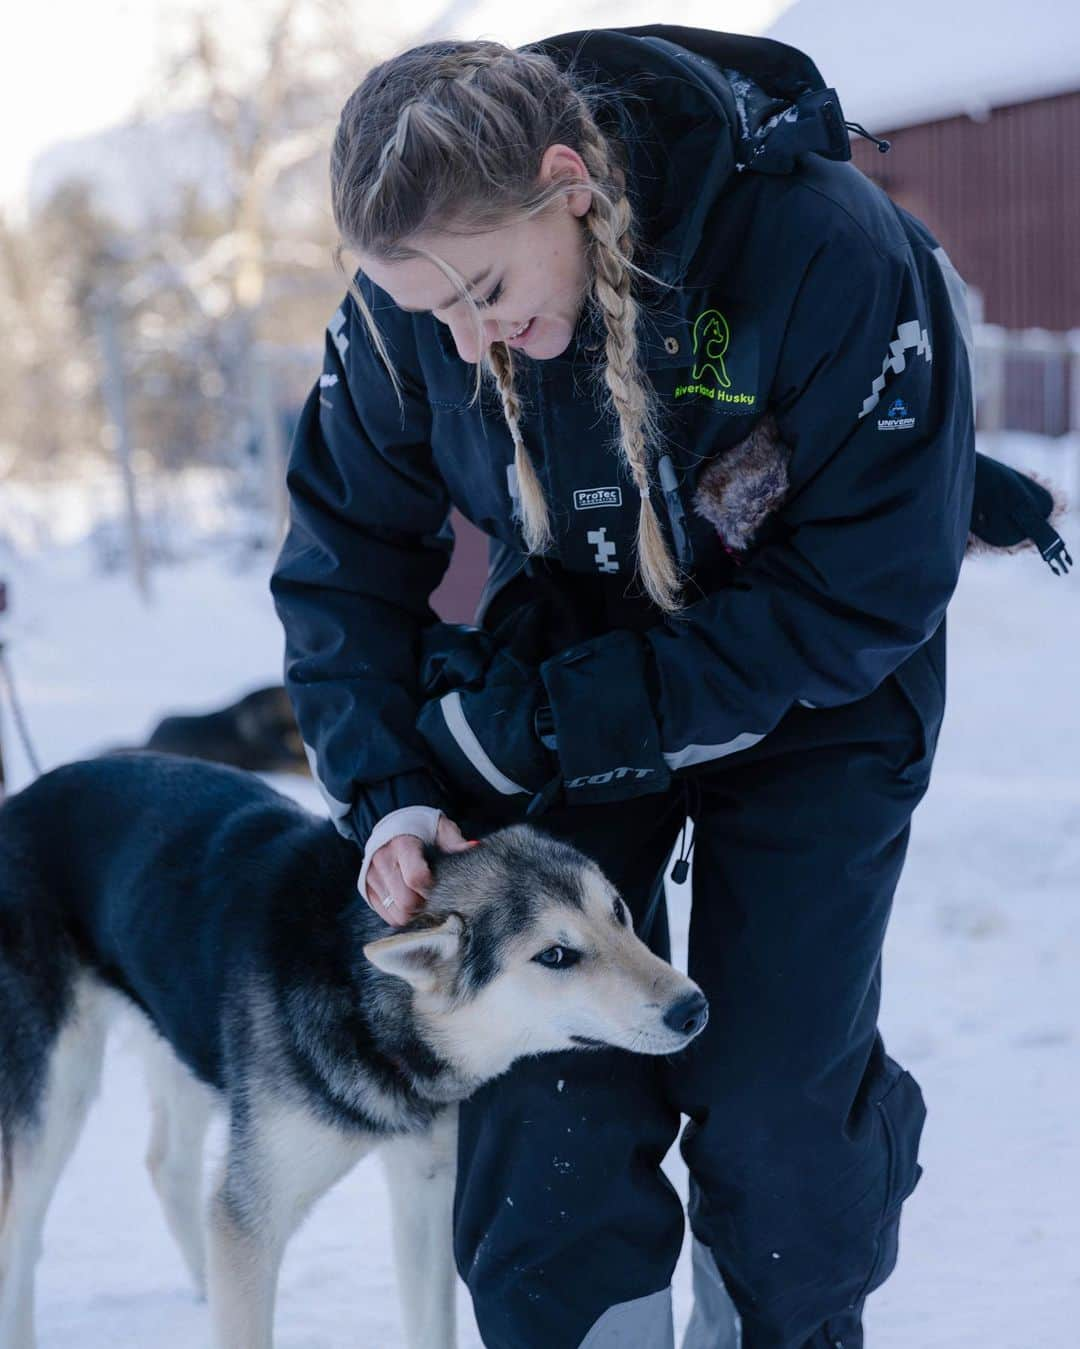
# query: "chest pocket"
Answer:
x=593 y=500
x=705 y=364
x=703 y=354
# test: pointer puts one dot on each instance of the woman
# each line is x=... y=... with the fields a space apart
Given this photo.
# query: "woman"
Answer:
x=622 y=301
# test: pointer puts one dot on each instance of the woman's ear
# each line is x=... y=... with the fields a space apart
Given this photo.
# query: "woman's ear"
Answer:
x=562 y=161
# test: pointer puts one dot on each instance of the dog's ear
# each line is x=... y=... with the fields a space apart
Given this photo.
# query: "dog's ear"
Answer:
x=421 y=958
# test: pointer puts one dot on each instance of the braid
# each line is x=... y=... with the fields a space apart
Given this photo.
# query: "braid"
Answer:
x=392 y=155
x=535 y=519
x=609 y=223
x=449 y=134
x=534 y=516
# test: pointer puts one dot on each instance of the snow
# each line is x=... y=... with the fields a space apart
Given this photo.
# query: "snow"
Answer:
x=928 y=59
x=980 y=980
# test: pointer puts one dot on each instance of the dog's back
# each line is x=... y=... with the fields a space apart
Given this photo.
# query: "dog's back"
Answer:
x=189 y=865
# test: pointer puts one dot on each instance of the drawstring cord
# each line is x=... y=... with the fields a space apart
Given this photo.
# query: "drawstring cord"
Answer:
x=691 y=790
x=883 y=145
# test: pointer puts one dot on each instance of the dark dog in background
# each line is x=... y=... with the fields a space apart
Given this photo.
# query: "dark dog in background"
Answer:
x=258 y=732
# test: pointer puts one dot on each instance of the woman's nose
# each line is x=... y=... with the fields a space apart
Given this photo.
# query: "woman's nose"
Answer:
x=466 y=339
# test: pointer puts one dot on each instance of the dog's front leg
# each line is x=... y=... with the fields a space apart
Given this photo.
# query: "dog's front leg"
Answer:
x=280 y=1160
x=420 y=1170
x=243 y=1252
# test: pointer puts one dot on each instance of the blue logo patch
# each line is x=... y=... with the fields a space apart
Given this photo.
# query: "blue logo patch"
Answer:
x=897 y=418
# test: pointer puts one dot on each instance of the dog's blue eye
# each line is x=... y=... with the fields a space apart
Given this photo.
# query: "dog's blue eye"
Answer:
x=620 y=912
x=557 y=957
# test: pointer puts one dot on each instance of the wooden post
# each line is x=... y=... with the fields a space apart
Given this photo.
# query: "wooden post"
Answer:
x=272 y=448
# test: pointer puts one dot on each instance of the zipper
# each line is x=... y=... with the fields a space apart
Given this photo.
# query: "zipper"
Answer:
x=669 y=485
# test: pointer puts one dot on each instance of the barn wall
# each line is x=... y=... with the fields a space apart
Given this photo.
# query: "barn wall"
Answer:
x=1003 y=196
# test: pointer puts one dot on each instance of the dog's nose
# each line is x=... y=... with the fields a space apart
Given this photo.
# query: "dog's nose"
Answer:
x=688 y=1015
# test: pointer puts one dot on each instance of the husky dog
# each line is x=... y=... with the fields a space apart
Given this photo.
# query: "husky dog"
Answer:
x=258 y=732
x=229 y=917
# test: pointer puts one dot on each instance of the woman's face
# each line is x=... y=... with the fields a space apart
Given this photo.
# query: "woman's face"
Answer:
x=534 y=271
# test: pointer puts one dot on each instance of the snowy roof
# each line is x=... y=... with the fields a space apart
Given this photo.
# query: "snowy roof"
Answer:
x=896 y=66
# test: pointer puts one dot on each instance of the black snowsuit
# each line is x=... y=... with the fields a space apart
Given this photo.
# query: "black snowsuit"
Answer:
x=813 y=364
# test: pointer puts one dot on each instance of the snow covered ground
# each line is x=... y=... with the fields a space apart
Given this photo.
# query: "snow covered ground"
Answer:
x=980 y=980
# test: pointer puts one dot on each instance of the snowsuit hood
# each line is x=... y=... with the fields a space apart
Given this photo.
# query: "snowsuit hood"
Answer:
x=704 y=106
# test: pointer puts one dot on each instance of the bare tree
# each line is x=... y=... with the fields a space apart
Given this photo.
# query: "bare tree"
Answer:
x=205 y=279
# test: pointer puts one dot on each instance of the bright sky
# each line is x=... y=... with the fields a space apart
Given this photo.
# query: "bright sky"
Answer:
x=69 y=68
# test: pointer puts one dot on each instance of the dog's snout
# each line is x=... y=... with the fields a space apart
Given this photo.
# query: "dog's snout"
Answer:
x=688 y=1015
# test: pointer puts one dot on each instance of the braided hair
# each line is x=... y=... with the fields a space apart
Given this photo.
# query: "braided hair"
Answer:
x=447 y=136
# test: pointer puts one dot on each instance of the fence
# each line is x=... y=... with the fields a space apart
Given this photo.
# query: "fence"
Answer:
x=1027 y=389
x=1027 y=380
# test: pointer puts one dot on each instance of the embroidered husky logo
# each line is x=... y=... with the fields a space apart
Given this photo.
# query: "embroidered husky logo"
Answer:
x=605 y=550
x=712 y=336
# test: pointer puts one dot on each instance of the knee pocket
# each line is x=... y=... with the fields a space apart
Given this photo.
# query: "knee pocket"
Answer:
x=901 y=1113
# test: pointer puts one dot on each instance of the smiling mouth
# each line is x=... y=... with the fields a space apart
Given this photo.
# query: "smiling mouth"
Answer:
x=521 y=333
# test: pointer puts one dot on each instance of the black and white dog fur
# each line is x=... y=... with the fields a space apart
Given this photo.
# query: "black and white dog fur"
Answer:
x=228 y=917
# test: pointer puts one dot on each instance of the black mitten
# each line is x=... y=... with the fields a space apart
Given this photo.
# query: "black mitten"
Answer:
x=1011 y=511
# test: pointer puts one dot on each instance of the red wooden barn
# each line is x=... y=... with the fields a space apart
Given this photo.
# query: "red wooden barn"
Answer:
x=981 y=101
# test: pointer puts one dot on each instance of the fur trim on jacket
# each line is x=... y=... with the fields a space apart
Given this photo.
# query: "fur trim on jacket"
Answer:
x=738 y=491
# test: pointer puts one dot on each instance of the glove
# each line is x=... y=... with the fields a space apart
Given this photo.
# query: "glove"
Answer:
x=486 y=741
x=453 y=655
x=577 y=726
x=1012 y=510
x=601 y=694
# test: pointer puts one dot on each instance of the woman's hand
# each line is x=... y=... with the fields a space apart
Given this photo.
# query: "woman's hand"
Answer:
x=398 y=879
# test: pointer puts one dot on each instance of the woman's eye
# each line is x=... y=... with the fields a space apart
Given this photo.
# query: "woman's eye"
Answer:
x=557 y=957
x=495 y=294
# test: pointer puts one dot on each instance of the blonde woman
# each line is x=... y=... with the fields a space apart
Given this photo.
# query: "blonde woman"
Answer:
x=621 y=300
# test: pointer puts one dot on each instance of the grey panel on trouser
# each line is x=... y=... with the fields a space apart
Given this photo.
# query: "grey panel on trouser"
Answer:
x=644 y=1323
x=714 y=1322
